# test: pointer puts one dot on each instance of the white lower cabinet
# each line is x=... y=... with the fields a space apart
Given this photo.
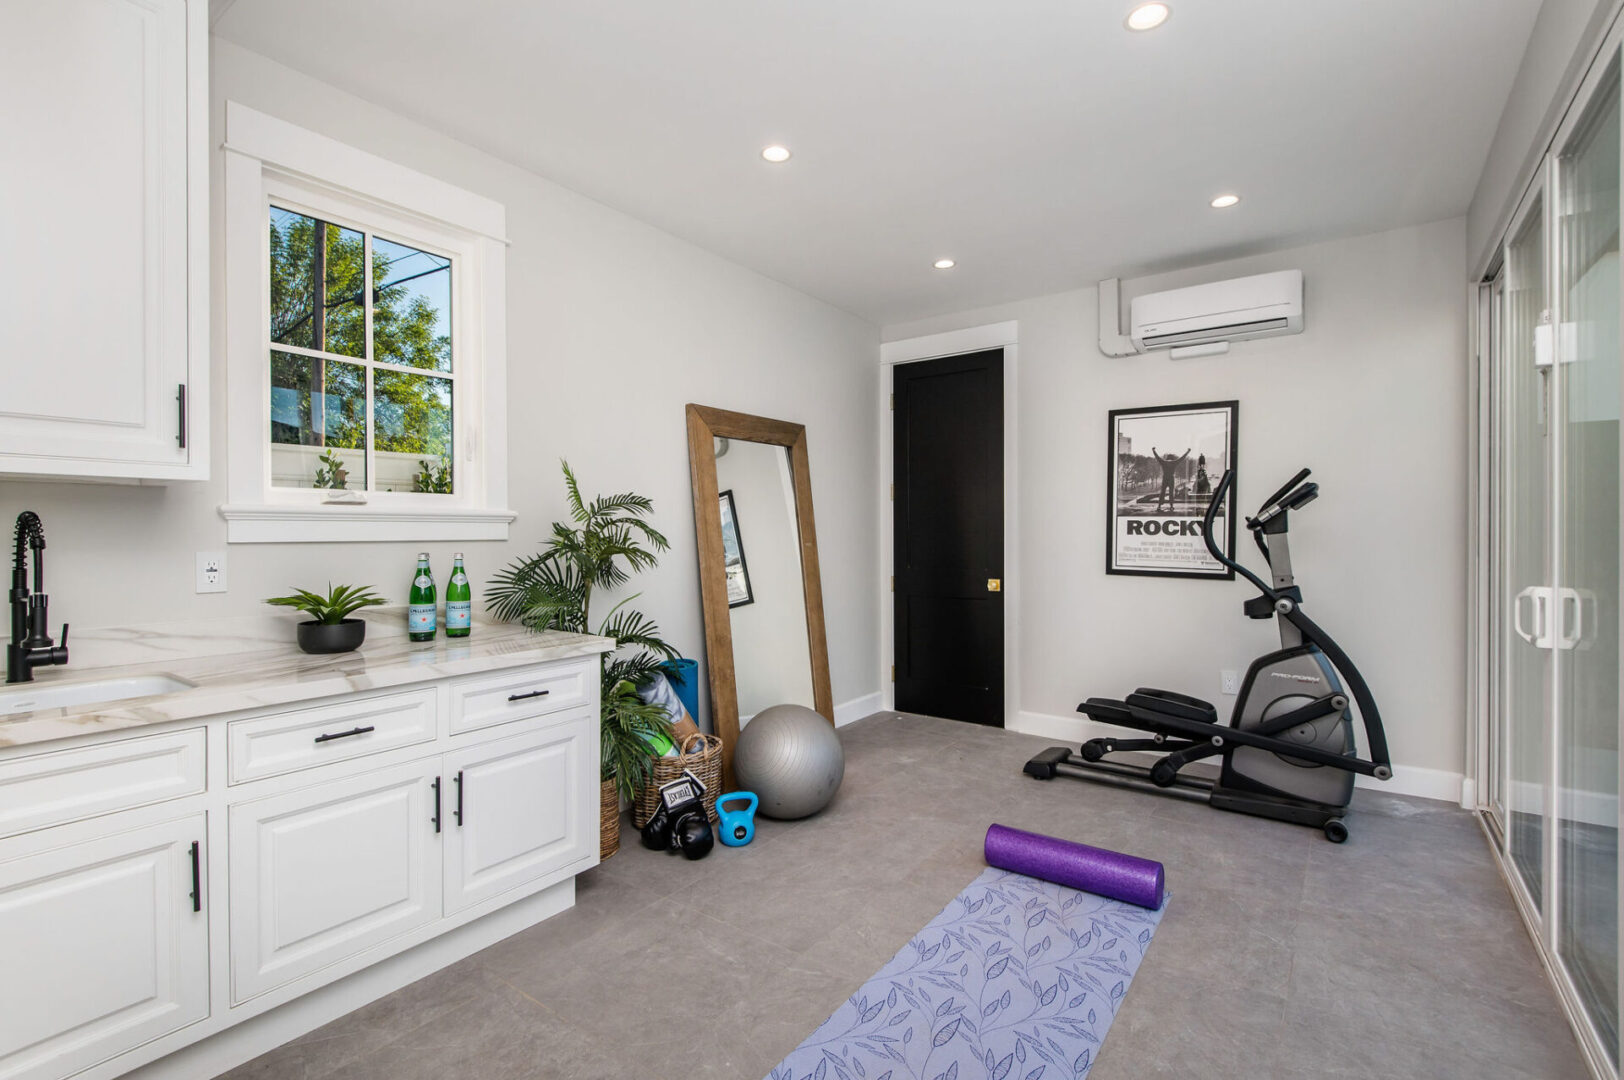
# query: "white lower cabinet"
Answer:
x=105 y=946
x=320 y=874
x=346 y=830
x=520 y=809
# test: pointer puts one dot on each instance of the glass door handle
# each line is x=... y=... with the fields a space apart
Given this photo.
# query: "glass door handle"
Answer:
x=1540 y=636
x=1572 y=632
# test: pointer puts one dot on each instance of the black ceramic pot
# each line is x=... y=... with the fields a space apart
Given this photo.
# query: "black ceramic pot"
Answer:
x=315 y=637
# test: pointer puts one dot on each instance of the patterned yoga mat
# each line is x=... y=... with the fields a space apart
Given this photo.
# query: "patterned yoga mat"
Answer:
x=1016 y=979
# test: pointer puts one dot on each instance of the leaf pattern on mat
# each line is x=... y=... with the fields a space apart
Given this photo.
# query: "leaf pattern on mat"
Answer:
x=1062 y=962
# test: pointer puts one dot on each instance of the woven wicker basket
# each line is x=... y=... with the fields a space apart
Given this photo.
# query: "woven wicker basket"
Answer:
x=702 y=756
x=608 y=819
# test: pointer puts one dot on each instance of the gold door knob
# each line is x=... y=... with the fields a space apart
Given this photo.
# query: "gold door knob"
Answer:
x=995 y=584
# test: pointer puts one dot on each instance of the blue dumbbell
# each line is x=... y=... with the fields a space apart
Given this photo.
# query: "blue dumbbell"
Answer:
x=738 y=826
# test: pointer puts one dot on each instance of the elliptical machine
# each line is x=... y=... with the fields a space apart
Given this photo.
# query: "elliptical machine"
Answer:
x=1288 y=752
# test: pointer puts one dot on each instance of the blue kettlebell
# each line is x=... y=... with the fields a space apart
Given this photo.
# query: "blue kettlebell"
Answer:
x=738 y=827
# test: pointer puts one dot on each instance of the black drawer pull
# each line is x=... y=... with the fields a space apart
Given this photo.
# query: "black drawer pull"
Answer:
x=531 y=694
x=458 y=811
x=436 y=817
x=197 y=879
x=346 y=734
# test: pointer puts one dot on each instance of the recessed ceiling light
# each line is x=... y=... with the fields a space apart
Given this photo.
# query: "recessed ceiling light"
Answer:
x=1148 y=16
x=944 y=264
x=776 y=154
x=1223 y=202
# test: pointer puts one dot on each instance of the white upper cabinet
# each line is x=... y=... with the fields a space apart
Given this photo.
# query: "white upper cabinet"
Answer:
x=104 y=238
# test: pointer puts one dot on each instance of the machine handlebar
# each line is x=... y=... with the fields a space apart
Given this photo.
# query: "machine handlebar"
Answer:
x=1375 y=735
x=1285 y=489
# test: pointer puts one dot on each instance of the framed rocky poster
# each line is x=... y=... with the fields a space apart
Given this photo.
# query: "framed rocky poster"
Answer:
x=1165 y=463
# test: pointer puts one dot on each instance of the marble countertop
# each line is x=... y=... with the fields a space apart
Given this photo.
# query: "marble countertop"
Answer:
x=252 y=662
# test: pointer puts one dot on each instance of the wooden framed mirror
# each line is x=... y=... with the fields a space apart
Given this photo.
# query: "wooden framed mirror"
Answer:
x=758 y=569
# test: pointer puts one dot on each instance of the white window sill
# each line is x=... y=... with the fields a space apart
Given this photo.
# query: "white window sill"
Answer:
x=338 y=524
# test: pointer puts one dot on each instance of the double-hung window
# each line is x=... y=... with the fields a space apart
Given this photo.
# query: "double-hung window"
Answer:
x=364 y=344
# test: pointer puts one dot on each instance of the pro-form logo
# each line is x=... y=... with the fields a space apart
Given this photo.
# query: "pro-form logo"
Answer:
x=1293 y=678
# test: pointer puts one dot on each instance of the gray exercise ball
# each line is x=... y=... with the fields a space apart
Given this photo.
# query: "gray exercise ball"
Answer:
x=791 y=758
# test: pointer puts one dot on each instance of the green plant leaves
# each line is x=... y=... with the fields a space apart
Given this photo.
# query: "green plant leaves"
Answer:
x=552 y=590
x=339 y=603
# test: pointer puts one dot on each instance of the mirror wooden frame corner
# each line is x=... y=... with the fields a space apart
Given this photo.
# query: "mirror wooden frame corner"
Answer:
x=705 y=425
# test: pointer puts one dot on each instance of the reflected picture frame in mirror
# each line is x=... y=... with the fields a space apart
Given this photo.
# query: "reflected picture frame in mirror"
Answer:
x=705 y=426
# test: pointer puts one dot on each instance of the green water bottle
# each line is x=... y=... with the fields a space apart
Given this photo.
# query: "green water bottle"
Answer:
x=420 y=612
x=459 y=601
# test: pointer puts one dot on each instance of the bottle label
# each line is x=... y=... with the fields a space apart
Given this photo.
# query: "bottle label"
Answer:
x=422 y=581
x=420 y=619
x=458 y=614
x=459 y=578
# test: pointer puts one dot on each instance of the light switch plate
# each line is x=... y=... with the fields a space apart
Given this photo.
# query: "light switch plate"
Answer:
x=211 y=571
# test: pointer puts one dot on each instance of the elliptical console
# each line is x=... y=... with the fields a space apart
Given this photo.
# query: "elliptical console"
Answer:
x=1289 y=751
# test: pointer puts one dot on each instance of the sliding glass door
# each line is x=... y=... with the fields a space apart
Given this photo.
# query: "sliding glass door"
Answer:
x=1553 y=633
x=1524 y=457
x=1586 y=593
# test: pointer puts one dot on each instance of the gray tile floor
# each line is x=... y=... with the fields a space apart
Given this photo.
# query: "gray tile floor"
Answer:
x=1281 y=956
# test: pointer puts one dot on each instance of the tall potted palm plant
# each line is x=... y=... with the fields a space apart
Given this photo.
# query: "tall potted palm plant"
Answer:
x=604 y=543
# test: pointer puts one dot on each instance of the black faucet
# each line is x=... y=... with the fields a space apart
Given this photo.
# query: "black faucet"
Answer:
x=30 y=646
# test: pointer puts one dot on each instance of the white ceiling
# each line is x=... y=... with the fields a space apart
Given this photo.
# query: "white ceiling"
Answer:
x=1037 y=142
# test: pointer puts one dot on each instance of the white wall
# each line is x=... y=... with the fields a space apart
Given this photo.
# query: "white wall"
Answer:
x=1565 y=34
x=613 y=326
x=772 y=664
x=1372 y=396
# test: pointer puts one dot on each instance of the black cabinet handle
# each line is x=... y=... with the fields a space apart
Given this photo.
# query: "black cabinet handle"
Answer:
x=531 y=694
x=436 y=786
x=458 y=811
x=346 y=734
x=180 y=397
x=197 y=879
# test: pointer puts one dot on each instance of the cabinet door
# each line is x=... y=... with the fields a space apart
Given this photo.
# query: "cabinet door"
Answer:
x=95 y=287
x=326 y=872
x=101 y=948
x=519 y=809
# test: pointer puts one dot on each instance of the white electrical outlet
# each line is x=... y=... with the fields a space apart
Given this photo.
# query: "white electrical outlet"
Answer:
x=1232 y=682
x=211 y=571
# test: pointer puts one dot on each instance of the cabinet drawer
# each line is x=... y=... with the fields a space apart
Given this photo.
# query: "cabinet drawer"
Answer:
x=513 y=695
x=68 y=785
x=287 y=742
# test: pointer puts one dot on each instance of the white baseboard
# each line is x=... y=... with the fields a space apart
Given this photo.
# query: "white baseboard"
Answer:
x=228 y=1048
x=1572 y=803
x=1407 y=779
x=857 y=708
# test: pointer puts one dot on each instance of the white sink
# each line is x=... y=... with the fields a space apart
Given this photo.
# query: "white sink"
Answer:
x=29 y=697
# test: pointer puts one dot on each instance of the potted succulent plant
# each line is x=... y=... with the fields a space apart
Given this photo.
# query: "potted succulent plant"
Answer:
x=330 y=628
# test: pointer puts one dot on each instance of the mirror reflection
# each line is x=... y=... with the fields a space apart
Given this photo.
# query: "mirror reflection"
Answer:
x=765 y=591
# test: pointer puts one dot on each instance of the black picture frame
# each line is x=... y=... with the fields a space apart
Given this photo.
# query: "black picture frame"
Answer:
x=733 y=543
x=1124 y=490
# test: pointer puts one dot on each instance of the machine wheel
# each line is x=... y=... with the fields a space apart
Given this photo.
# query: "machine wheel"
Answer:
x=1163 y=774
x=1336 y=831
x=1094 y=750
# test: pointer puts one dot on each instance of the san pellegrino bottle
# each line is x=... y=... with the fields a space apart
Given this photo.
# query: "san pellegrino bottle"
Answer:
x=421 y=611
x=459 y=601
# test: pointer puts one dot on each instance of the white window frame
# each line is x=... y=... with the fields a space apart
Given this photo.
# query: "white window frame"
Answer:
x=270 y=161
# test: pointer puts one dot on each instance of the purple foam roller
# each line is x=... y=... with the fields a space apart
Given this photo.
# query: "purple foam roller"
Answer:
x=1078 y=866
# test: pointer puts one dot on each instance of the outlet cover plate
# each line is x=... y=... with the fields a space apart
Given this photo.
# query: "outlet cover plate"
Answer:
x=1231 y=681
x=211 y=571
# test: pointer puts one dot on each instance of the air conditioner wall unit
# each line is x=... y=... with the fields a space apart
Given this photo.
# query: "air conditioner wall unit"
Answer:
x=1265 y=305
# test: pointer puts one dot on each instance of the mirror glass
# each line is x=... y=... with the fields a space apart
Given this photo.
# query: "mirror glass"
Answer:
x=772 y=662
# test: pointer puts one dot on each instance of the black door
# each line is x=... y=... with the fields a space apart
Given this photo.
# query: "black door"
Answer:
x=948 y=462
